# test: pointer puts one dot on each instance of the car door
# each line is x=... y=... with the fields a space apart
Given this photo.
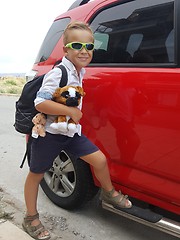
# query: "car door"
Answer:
x=132 y=106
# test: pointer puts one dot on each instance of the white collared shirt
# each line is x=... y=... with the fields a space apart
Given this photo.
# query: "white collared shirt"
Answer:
x=51 y=82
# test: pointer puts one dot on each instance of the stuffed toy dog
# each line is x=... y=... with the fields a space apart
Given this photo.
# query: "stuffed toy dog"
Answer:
x=70 y=96
x=38 y=129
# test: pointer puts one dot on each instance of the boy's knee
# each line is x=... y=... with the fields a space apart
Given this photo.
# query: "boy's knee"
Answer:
x=102 y=161
x=97 y=160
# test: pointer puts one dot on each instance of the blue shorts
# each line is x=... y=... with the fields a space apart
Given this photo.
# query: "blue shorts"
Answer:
x=45 y=149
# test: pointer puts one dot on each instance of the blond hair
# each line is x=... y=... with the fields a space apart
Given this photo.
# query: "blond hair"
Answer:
x=76 y=25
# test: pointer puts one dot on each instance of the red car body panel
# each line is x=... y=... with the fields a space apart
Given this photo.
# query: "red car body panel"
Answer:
x=152 y=172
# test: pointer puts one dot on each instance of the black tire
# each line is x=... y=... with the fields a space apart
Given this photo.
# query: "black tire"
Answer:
x=69 y=183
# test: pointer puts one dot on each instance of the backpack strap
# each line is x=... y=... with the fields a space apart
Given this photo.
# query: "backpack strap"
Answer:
x=28 y=149
x=64 y=78
x=24 y=158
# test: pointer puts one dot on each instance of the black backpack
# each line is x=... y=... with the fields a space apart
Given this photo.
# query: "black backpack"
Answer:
x=25 y=110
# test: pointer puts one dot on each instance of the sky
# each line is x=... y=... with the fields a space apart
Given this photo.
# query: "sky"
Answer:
x=23 y=26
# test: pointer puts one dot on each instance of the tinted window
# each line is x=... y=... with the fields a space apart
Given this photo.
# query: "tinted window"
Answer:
x=135 y=32
x=51 y=39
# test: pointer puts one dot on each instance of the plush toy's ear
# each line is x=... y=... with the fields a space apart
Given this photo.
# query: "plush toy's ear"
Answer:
x=81 y=91
x=57 y=93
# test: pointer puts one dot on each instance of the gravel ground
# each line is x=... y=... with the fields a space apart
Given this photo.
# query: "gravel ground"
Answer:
x=11 y=209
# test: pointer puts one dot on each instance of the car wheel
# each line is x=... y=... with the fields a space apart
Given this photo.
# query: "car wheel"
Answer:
x=69 y=183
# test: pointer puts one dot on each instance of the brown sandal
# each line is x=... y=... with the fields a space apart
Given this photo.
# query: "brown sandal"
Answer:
x=118 y=201
x=34 y=231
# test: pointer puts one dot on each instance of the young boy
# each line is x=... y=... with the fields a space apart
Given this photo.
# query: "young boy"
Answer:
x=78 y=49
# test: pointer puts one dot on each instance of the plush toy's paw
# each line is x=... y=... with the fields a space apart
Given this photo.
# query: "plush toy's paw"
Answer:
x=72 y=128
x=34 y=135
x=42 y=134
x=54 y=125
x=62 y=126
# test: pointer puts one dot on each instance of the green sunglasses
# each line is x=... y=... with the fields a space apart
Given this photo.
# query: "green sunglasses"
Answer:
x=79 y=46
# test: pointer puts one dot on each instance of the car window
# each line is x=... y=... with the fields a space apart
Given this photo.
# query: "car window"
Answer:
x=170 y=46
x=134 y=42
x=51 y=39
x=135 y=32
x=101 y=40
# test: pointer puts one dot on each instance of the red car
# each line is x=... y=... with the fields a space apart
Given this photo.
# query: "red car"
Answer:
x=131 y=110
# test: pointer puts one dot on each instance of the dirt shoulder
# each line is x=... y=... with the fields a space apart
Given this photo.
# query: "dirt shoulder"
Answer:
x=12 y=210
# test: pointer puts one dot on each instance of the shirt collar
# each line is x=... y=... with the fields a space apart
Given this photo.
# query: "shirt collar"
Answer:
x=71 y=67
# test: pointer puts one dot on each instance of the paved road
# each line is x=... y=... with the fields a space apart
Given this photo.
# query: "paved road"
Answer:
x=89 y=223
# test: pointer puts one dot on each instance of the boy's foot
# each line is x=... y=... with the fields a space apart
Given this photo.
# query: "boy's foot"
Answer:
x=33 y=226
x=117 y=199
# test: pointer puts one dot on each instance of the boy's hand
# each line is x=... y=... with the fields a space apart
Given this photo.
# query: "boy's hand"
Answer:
x=76 y=114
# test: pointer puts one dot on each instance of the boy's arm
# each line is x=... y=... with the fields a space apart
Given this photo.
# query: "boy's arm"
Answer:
x=52 y=108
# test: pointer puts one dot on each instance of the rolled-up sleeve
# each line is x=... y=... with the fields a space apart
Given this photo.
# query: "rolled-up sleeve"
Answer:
x=50 y=83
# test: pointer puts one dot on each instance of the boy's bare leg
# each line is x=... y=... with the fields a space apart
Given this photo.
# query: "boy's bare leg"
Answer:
x=99 y=163
x=30 y=194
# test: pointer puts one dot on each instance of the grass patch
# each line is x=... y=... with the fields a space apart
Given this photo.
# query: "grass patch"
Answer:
x=11 y=85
